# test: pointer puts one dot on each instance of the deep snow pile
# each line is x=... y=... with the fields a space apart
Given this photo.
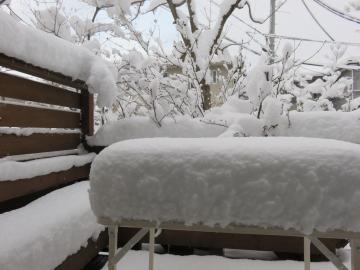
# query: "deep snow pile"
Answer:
x=299 y=183
x=13 y=170
x=144 y=127
x=55 y=54
x=343 y=126
x=42 y=234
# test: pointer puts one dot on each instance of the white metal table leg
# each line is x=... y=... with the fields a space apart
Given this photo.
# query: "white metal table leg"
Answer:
x=355 y=254
x=113 y=237
x=329 y=254
x=307 y=254
x=151 y=248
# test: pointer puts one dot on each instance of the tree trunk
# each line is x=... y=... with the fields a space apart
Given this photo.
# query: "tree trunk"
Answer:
x=206 y=96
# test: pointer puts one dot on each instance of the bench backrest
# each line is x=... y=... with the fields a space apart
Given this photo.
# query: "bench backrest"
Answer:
x=42 y=114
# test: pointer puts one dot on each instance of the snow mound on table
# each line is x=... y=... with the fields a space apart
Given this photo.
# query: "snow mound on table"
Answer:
x=47 y=51
x=343 y=126
x=298 y=183
x=45 y=232
x=14 y=170
x=144 y=127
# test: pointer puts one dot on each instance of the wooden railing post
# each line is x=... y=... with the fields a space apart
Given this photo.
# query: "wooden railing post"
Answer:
x=87 y=113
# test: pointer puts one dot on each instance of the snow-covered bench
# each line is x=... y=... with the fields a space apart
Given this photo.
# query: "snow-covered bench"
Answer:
x=268 y=186
x=46 y=110
x=44 y=233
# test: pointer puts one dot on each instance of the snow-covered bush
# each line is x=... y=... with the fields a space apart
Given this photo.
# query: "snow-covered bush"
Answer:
x=146 y=88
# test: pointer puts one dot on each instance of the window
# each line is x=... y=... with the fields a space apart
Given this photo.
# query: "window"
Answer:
x=214 y=76
x=356 y=83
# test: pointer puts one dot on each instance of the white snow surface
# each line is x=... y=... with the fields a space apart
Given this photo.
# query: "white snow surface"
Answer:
x=29 y=131
x=343 y=126
x=144 y=127
x=305 y=184
x=14 y=170
x=42 y=234
x=47 y=51
x=140 y=259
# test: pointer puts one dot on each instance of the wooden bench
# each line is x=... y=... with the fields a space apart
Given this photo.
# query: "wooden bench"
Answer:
x=57 y=113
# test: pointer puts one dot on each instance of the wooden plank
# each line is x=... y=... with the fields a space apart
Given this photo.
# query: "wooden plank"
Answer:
x=14 y=189
x=19 y=202
x=20 y=88
x=80 y=259
x=21 y=66
x=12 y=115
x=37 y=143
x=87 y=113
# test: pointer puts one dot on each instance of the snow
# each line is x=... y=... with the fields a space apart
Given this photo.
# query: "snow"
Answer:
x=343 y=126
x=139 y=260
x=47 y=51
x=144 y=127
x=14 y=170
x=29 y=131
x=259 y=85
x=233 y=105
x=42 y=234
x=305 y=184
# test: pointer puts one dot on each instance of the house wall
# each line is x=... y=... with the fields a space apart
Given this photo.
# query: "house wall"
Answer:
x=215 y=85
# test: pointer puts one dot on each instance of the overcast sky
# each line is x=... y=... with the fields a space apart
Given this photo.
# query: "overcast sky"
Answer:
x=294 y=20
x=291 y=20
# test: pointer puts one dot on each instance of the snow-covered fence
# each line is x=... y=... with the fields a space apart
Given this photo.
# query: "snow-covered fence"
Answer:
x=44 y=118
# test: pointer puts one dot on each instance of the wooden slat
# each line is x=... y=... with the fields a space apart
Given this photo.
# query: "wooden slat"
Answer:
x=20 y=88
x=25 y=116
x=37 y=143
x=14 y=189
x=21 y=66
x=87 y=113
x=80 y=259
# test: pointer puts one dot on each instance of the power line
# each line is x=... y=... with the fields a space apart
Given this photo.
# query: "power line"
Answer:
x=280 y=36
x=288 y=37
x=313 y=40
x=316 y=20
x=240 y=20
x=338 y=12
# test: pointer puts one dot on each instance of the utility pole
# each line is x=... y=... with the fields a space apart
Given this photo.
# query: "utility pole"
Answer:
x=272 y=29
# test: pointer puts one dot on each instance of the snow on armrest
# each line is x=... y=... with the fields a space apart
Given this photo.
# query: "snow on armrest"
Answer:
x=49 y=52
x=14 y=170
x=304 y=184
